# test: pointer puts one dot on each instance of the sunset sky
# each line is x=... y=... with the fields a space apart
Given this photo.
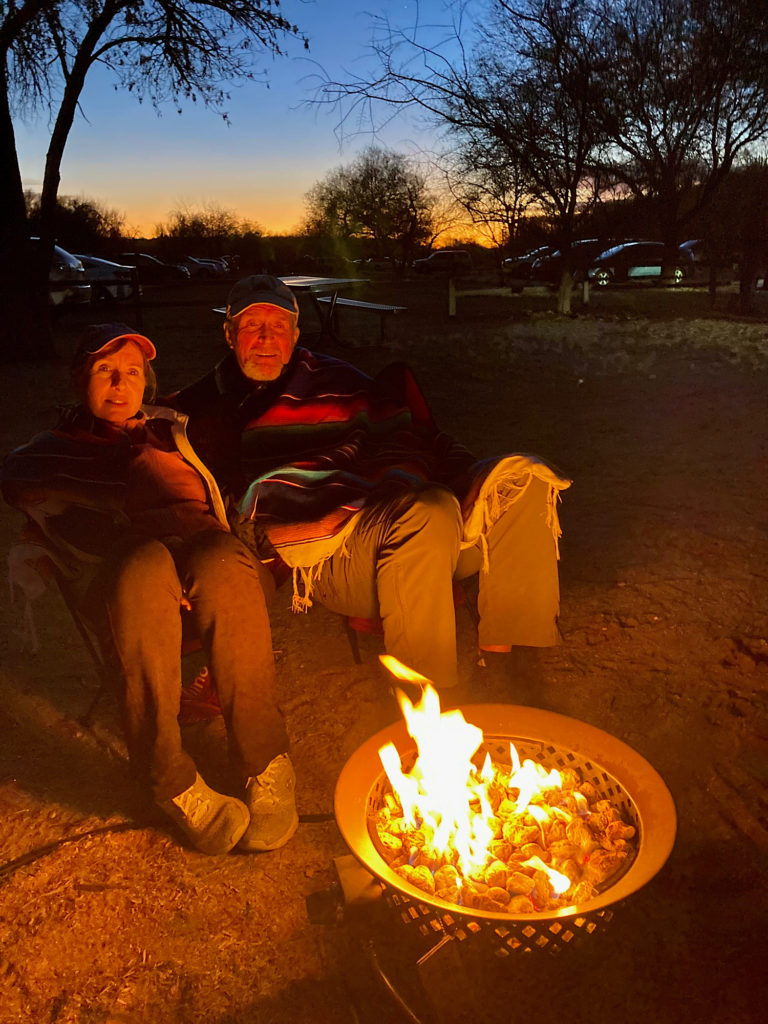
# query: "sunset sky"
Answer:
x=125 y=157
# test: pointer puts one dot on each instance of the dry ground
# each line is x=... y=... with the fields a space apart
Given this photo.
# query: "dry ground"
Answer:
x=656 y=405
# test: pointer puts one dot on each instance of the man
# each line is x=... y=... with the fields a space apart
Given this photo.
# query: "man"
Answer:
x=348 y=482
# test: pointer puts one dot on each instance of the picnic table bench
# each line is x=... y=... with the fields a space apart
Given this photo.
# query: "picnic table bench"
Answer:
x=382 y=308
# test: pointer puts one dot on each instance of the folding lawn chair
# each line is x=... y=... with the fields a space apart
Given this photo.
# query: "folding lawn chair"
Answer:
x=34 y=564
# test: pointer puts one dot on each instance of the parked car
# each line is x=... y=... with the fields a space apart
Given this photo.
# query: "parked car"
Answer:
x=377 y=264
x=548 y=269
x=232 y=263
x=518 y=268
x=152 y=270
x=726 y=265
x=203 y=267
x=636 y=261
x=218 y=266
x=696 y=249
x=195 y=267
x=110 y=282
x=444 y=261
x=66 y=278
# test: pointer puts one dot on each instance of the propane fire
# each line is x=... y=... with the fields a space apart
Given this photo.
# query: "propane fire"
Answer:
x=505 y=836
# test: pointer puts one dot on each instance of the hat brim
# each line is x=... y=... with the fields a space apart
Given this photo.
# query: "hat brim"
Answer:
x=143 y=342
x=262 y=302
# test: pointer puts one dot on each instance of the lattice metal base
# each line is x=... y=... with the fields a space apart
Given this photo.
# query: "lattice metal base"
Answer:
x=500 y=939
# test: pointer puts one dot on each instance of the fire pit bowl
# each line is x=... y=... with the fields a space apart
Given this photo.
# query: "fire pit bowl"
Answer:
x=618 y=772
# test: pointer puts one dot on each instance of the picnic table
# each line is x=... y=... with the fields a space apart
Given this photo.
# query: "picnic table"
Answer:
x=324 y=293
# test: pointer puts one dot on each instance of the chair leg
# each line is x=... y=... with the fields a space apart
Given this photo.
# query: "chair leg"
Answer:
x=86 y=719
x=354 y=642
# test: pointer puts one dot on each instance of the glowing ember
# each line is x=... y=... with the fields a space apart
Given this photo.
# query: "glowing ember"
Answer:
x=514 y=837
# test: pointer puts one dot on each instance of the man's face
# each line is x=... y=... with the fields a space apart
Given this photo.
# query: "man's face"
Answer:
x=263 y=339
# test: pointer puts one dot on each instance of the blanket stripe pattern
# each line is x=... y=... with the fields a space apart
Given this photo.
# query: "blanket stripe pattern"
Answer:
x=338 y=439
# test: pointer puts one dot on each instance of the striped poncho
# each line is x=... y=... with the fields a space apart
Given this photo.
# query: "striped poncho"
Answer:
x=316 y=446
x=303 y=456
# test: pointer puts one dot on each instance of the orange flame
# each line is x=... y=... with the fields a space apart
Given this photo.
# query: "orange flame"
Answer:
x=445 y=795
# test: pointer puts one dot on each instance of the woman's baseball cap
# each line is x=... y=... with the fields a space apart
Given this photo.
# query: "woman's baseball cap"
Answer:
x=97 y=337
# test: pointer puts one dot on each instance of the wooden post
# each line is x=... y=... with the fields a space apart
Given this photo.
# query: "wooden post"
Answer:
x=137 y=298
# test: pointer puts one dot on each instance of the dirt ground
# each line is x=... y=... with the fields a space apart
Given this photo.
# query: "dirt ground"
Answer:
x=655 y=404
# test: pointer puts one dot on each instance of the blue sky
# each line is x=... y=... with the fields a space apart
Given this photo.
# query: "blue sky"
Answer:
x=121 y=154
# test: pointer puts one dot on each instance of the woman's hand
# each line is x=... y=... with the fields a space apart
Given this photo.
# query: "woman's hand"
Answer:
x=175 y=546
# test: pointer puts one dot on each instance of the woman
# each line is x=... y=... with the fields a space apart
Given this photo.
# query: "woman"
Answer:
x=116 y=485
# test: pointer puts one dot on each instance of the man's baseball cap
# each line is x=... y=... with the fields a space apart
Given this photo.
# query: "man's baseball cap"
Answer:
x=97 y=337
x=260 y=289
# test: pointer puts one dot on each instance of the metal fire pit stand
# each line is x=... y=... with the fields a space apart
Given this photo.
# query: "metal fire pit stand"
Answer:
x=403 y=974
x=390 y=973
x=441 y=964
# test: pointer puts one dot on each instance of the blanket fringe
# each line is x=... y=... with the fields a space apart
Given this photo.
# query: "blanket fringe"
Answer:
x=553 y=520
x=507 y=484
x=305 y=576
x=308 y=575
x=301 y=602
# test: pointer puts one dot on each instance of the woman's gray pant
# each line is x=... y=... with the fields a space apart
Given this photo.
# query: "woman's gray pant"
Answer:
x=142 y=589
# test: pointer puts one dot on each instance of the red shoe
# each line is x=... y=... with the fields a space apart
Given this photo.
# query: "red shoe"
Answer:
x=199 y=700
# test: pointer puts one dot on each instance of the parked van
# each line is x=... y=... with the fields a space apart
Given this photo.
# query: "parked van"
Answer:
x=636 y=261
x=444 y=261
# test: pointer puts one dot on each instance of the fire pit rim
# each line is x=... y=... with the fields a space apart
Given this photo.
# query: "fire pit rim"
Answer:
x=649 y=794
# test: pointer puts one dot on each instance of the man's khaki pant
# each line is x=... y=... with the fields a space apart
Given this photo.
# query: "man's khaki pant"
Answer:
x=401 y=566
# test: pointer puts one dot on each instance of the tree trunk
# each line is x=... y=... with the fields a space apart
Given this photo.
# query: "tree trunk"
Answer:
x=565 y=293
x=25 y=331
x=668 y=215
x=712 y=281
x=49 y=195
x=748 y=275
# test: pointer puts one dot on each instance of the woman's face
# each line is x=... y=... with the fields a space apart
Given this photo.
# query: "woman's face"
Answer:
x=116 y=384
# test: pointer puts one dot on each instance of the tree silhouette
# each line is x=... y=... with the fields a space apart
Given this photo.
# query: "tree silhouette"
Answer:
x=381 y=196
x=690 y=96
x=583 y=95
x=524 y=90
x=159 y=50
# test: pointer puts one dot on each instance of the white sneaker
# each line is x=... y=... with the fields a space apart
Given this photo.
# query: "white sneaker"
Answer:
x=213 y=822
x=271 y=800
